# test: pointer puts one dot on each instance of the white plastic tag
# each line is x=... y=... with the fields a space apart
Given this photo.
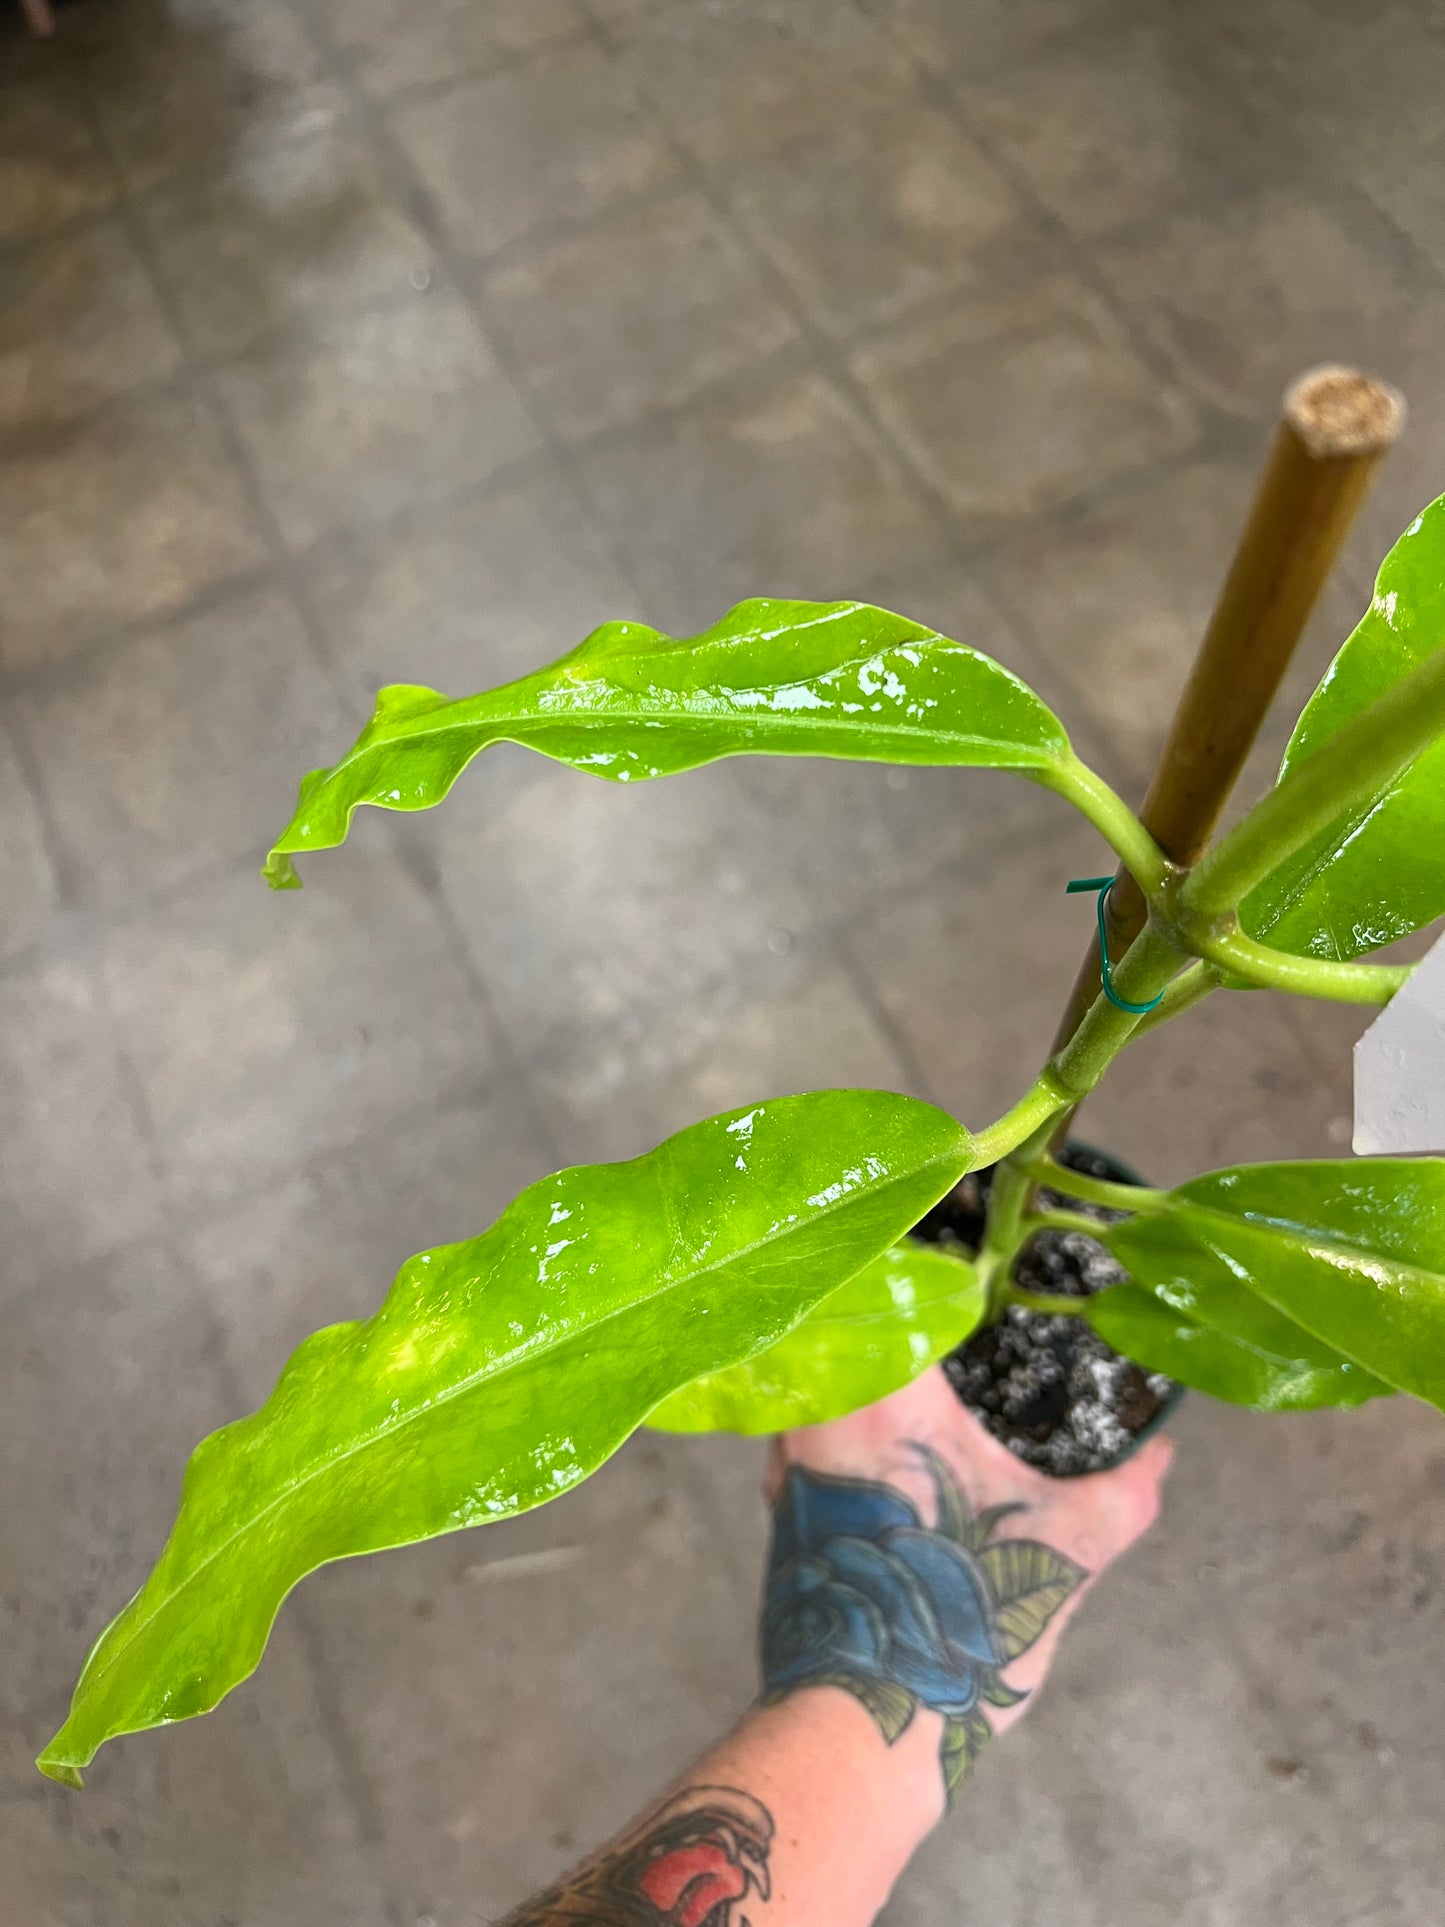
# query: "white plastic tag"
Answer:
x=1400 y=1067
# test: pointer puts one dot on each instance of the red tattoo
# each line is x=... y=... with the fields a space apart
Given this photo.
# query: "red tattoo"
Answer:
x=691 y=1864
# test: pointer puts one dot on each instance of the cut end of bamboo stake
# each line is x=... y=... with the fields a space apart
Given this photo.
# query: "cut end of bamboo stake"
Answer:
x=1340 y=412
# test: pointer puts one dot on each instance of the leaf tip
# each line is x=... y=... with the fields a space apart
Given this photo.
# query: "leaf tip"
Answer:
x=56 y=1767
x=280 y=872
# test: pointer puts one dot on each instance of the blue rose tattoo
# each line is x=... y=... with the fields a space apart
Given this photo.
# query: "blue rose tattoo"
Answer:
x=862 y=1595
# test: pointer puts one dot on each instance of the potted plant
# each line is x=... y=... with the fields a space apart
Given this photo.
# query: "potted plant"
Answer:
x=756 y=1269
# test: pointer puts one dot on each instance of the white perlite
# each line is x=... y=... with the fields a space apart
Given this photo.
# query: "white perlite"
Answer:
x=1400 y=1067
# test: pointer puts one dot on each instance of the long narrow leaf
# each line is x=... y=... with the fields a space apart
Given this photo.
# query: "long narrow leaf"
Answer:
x=1379 y=871
x=1321 y=1263
x=835 y=679
x=1352 y=1250
x=501 y=1371
x=1155 y=1335
x=1293 y=1368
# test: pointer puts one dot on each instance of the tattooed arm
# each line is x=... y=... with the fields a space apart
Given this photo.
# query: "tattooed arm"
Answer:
x=918 y=1581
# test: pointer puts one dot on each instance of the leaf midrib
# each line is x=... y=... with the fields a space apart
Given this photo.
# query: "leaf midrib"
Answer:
x=1318 y=1239
x=1247 y=1345
x=471 y=1383
x=674 y=719
x=1290 y=1360
x=549 y=680
x=1399 y=1270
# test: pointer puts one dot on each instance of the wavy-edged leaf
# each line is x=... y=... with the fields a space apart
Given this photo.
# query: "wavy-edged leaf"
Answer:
x=1030 y=1582
x=837 y=679
x=868 y=1338
x=1351 y=1249
x=1379 y=871
x=502 y=1371
x=1269 y=1361
x=1161 y=1339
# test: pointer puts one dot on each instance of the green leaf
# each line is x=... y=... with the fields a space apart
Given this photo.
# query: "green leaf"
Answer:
x=502 y=1371
x=872 y=1335
x=963 y=1740
x=1161 y=1339
x=950 y=1503
x=993 y=1692
x=1271 y=1363
x=835 y=679
x=1379 y=871
x=1352 y=1250
x=981 y=1527
x=1030 y=1581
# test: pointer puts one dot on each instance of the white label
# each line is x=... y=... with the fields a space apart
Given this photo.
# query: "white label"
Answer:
x=1400 y=1067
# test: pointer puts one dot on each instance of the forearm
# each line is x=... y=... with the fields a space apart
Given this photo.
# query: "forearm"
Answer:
x=803 y=1816
x=917 y=1582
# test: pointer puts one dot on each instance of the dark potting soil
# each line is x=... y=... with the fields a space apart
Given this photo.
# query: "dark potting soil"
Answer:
x=1050 y=1389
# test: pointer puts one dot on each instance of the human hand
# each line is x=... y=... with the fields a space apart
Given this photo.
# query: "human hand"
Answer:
x=919 y=1580
x=921 y=1567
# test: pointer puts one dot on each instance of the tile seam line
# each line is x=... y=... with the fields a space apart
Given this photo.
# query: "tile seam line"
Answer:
x=357 y=1791
x=397 y=170
x=829 y=359
x=941 y=94
x=341 y=66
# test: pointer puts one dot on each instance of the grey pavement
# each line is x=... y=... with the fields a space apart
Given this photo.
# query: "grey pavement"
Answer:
x=349 y=341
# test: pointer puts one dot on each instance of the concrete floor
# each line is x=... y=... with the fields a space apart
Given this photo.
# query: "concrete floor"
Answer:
x=348 y=341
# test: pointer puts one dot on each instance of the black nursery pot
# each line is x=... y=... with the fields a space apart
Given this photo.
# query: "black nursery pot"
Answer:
x=1047 y=1387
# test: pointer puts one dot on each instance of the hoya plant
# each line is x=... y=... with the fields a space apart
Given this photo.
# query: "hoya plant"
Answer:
x=755 y=1270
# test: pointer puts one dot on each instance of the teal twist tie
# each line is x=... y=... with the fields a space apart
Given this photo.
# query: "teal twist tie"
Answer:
x=1106 y=970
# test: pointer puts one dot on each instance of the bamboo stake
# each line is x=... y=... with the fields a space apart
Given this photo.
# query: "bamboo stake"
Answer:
x=1336 y=425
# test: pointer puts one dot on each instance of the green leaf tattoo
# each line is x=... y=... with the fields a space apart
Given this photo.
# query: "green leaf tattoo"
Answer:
x=863 y=1596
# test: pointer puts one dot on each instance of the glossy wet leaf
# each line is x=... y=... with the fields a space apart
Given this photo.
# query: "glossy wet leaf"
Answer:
x=836 y=679
x=501 y=1371
x=865 y=1340
x=1379 y=871
x=1161 y=1339
x=1220 y=1330
x=1351 y=1250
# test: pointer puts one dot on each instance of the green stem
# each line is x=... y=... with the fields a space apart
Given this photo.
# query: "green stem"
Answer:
x=1189 y=988
x=1060 y=1220
x=1113 y=819
x=1137 y=1198
x=1008 y=1197
x=1043 y=1101
x=1348 y=771
x=1145 y=970
x=1055 y=1304
x=1341 y=983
